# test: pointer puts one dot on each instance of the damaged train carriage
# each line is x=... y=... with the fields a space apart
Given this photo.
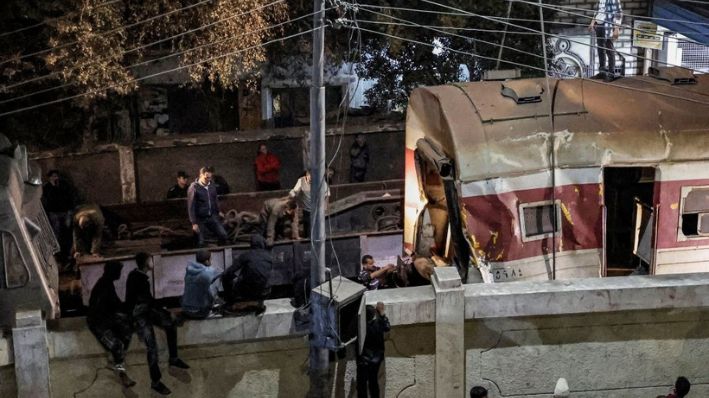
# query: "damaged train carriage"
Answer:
x=621 y=184
x=29 y=276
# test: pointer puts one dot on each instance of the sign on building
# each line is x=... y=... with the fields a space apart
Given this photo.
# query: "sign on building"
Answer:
x=645 y=35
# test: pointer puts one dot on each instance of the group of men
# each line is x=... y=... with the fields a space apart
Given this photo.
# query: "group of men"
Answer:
x=113 y=322
x=78 y=229
x=276 y=214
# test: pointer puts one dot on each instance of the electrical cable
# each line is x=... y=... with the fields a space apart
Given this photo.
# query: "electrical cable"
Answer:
x=64 y=99
x=618 y=25
x=141 y=47
x=550 y=34
x=562 y=8
x=455 y=34
x=47 y=21
x=168 y=56
x=527 y=66
x=106 y=33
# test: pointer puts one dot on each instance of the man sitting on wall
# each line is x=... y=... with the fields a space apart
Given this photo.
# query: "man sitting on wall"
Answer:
x=246 y=283
x=372 y=276
x=200 y=292
x=107 y=321
x=147 y=313
x=88 y=230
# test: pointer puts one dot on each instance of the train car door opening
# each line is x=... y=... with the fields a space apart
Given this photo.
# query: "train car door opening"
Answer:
x=629 y=219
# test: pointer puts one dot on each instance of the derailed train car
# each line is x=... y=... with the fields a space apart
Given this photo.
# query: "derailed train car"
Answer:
x=28 y=272
x=621 y=184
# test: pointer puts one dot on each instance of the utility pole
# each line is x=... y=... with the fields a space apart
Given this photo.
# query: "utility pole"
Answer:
x=318 y=358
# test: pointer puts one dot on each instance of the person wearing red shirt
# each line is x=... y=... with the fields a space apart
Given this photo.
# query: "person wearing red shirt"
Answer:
x=267 y=170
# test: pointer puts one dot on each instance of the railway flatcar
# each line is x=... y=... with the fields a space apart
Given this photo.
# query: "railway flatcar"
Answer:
x=537 y=180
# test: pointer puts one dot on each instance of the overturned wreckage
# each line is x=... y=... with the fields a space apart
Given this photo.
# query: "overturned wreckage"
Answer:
x=28 y=273
x=620 y=185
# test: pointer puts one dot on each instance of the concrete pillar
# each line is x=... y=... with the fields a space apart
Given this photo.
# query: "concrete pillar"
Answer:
x=29 y=340
x=450 y=349
x=127 y=164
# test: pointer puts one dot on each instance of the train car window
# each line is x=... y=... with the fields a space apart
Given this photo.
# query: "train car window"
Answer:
x=16 y=272
x=537 y=220
x=694 y=218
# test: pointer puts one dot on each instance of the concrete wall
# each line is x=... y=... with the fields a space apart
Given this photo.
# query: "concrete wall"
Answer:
x=150 y=172
x=96 y=176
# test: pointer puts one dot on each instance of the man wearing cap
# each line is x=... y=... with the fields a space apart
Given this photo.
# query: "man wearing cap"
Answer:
x=179 y=190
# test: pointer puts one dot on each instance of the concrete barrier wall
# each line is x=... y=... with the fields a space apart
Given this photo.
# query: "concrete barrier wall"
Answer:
x=615 y=337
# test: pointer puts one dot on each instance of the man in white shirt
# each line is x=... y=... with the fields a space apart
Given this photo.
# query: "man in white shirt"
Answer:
x=301 y=193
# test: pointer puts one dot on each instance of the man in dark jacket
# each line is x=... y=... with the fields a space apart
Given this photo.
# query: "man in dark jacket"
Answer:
x=372 y=355
x=359 y=158
x=108 y=321
x=246 y=283
x=58 y=199
x=203 y=207
x=200 y=292
x=179 y=190
x=274 y=213
x=146 y=314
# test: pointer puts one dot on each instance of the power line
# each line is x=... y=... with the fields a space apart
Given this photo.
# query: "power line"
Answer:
x=141 y=47
x=59 y=100
x=106 y=33
x=47 y=21
x=453 y=34
x=171 y=55
x=620 y=25
x=527 y=66
x=499 y=20
x=560 y=7
x=536 y=32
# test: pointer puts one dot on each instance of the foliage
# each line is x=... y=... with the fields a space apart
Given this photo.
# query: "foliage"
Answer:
x=95 y=41
x=399 y=66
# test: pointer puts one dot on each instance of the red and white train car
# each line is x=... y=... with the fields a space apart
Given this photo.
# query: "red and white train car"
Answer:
x=621 y=183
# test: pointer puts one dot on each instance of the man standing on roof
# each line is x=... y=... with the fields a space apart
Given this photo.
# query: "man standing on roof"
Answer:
x=301 y=193
x=606 y=24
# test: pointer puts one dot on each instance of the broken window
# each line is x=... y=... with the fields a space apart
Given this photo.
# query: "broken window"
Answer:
x=16 y=273
x=537 y=219
x=695 y=213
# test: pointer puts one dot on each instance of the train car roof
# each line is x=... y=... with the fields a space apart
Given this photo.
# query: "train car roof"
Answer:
x=501 y=128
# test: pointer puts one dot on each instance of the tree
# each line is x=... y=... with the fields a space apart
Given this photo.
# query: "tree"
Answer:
x=91 y=47
x=446 y=39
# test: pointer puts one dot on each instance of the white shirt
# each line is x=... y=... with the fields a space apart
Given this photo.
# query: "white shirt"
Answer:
x=301 y=192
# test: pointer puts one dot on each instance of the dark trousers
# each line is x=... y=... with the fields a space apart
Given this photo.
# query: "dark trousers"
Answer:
x=61 y=225
x=357 y=175
x=114 y=335
x=212 y=224
x=368 y=379
x=306 y=224
x=605 y=48
x=144 y=328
